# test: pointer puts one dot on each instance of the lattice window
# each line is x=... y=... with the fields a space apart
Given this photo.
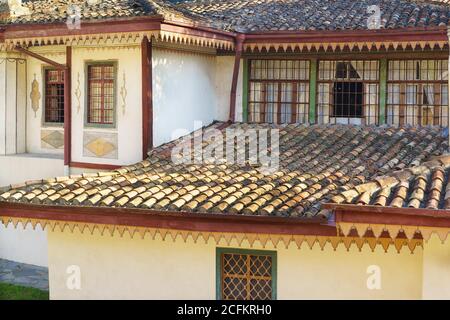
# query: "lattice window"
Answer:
x=348 y=92
x=101 y=94
x=417 y=92
x=247 y=276
x=54 y=96
x=278 y=91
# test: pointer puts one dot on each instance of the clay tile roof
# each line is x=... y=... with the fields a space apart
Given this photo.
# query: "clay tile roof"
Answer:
x=282 y=15
x=426 y=186
x=50 y=11
x=317 y=163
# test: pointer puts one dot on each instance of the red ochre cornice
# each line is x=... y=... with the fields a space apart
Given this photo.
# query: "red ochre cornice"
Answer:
x=188 y=221
x=157 y=23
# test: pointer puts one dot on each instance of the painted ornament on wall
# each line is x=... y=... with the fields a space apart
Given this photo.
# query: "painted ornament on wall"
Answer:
x=78 y=94
x=35 y=95
x=124 y=93
x=100 y=145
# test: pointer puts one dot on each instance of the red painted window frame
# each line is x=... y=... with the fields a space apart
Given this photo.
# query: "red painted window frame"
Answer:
x=47 y=106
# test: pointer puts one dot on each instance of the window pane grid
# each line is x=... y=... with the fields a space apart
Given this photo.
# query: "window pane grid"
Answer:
x=279 y=91
x=246 y=276
x=348 y=92
x=417 y=92
x=101 y=86
x=54 y=96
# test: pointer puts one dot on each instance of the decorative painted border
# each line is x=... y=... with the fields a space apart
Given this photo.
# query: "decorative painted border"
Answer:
x=220 y=251
x=220 y=238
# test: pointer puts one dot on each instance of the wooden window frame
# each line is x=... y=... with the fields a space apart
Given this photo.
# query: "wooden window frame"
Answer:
x=403 y=113
x=219 y=273
x=46 y=123
x=88 y=124
x=248 y=80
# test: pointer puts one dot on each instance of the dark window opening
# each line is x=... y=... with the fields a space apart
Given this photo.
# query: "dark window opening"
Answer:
x=54 y=96
x=348 y=99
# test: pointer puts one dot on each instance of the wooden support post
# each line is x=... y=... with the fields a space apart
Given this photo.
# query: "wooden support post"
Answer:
x=312 y=91
x=383 y=91
x=245 y=91
x=68 y=108
x=237 y=64
x=147 y=105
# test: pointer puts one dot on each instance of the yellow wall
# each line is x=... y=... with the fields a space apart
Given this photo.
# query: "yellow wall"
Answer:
x=436 y=269
x=121 y=268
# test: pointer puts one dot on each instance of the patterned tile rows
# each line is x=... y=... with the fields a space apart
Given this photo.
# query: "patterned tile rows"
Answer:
x=48 y=11
x=251 y=15
x=426 y=186
x=316 y=163
x=274 y=15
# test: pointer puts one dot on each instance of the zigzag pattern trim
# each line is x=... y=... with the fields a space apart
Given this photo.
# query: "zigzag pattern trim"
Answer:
x=218 y=237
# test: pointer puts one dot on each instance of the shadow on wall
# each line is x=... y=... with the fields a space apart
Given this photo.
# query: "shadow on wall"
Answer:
x=183 y=92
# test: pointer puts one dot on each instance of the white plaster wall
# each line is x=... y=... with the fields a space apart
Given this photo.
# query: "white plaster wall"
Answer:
x=24 y=245
x=224 y=77
x=2 y=108
x=23 y=167
x=12 y=104
x=183 y=92
x=123 y=268
x=129 y=115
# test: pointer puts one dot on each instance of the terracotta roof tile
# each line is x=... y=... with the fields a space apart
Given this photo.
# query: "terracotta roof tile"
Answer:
x=317 y=164
x=425 y=186
x=290 y=15
x=50 y=11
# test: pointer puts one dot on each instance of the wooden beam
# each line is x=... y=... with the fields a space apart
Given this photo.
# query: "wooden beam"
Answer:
x=147 y=104
x=245 y=79
x=237 y=64
x=130 y=25
x=41 y=58
x=404 y=35
x=170 y=220
x=383 y=91
x=68 y=107
x=313 y=91
x=94 y=166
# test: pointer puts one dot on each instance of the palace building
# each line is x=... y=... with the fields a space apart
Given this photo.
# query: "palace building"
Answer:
x=96 y=97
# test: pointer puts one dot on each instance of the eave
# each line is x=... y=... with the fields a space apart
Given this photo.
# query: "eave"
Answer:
x=376 y=220
x=168 y=219
x=348 y=39
x=114 y=31
x=220 y=228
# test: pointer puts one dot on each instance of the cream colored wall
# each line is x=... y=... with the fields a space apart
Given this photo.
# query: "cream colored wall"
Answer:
x=129 y=115
x=436 y=269
x=125 y=268
x=342 y=274
x=24 y=245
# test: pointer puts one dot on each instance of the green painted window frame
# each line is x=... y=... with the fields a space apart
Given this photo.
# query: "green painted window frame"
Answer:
x=220 y=251
x=86 y=98
x=245 y=93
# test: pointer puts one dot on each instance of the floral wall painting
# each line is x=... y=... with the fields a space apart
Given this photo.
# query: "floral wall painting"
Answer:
x=35 y=95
